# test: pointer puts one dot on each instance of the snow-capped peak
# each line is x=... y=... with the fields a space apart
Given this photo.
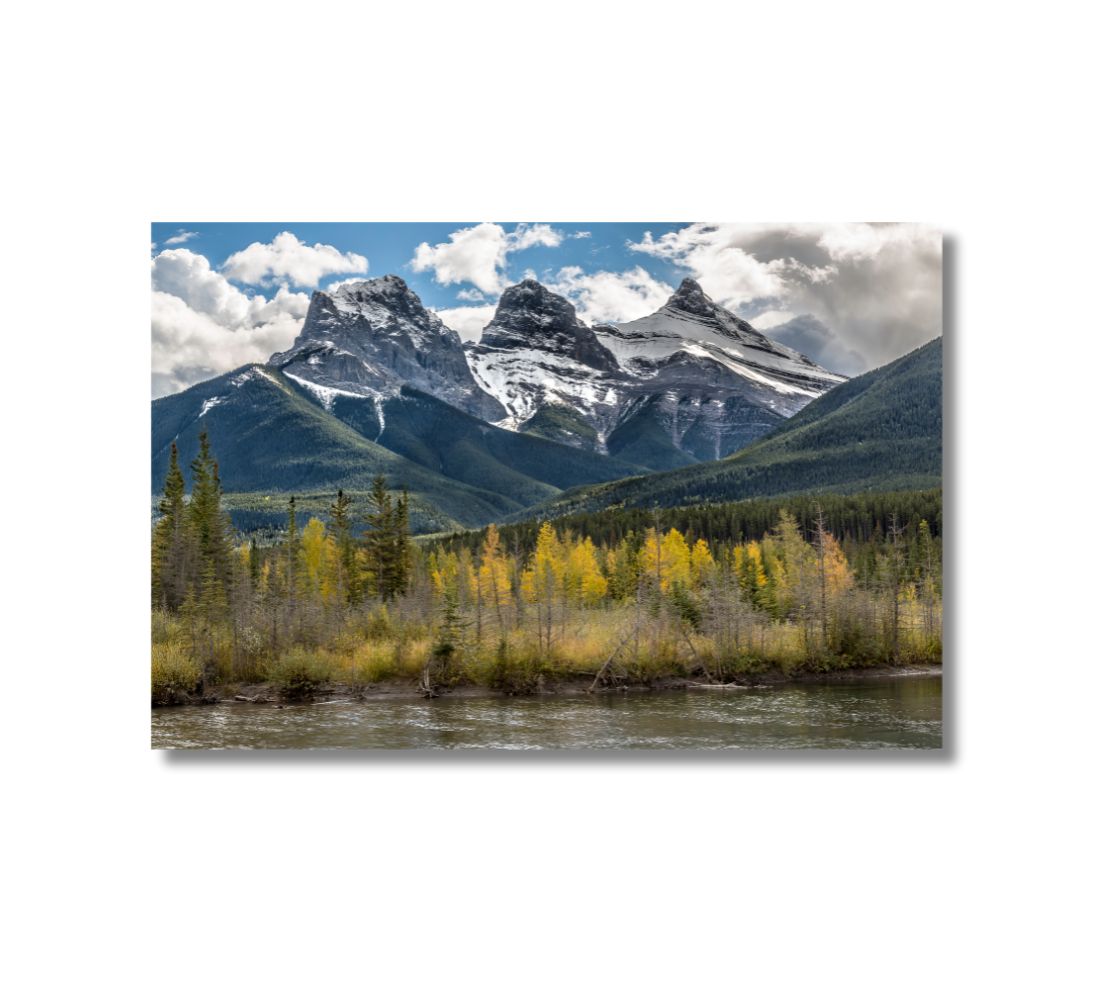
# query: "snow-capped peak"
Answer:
x=691 y=324
x=372 y=336
x=530 y=317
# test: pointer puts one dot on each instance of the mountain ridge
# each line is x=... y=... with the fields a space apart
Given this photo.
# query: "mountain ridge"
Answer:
x=879 y=430
x=377 y=382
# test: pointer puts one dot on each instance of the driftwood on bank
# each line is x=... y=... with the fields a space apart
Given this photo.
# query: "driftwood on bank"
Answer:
x=610 y=659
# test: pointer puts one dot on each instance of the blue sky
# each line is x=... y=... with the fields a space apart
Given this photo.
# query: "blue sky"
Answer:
x=850 y=295
x=389 y=248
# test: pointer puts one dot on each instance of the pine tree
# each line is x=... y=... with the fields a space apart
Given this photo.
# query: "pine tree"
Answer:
x=379 y=540
x=400 y=562
x=344 y=545
x=170 y=556
x=291 y=549
x=209 y=527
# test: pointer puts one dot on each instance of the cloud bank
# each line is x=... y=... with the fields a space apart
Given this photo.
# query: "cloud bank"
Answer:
x=875 y=287
x=203 y=326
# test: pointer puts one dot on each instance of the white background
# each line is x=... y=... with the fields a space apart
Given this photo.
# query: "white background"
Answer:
x=987 y=871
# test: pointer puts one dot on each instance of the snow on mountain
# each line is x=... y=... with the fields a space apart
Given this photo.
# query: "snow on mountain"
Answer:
x=536 y=351
x=692 y=323
x=692 y=373
x=690 y=382
x=368 y=338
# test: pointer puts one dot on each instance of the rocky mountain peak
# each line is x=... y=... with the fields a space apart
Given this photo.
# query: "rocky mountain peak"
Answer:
x=529 y=316
x=690 y=298
x=374 y=335
x=376 y=297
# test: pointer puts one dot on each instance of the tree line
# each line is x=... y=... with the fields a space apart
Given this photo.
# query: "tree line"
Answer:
x=626 y=600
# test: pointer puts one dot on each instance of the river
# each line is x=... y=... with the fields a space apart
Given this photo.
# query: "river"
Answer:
x=896 y=713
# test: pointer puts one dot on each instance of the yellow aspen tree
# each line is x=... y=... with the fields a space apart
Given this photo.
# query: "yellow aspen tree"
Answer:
x=837 y=572
x=494 y=575
x=329 y=581
x=665 y=558
x=311 y=550
x=583 y=578
x=675 y=560
x=701 y=564
x=649 y=558
x=436 y=575
x=541 y=581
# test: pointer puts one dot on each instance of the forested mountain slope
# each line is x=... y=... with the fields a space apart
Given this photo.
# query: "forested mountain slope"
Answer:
x=269 y=437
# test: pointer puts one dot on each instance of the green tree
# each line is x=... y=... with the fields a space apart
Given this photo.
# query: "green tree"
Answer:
x=400 y=562
x=209 y=526
x=344 y=545
x=379 y=540
x=170 y=549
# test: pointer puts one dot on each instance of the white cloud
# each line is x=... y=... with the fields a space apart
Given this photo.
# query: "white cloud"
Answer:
x=583 y=234
x=769 y=318
x=180 y=237
x=334 y=286
x=203 y=326
x=875 y=286
x=470 y=295
x=289 y=257
x=540 y=234
x=478 y=254
x=468 y=321
x=611 y=297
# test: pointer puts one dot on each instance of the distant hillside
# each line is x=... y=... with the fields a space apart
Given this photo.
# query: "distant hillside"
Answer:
x=880 y=431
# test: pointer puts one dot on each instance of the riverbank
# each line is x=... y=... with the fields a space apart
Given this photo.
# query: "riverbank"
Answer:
x=402 y=689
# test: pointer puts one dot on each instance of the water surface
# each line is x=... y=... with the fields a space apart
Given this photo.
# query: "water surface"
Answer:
x=902 y=712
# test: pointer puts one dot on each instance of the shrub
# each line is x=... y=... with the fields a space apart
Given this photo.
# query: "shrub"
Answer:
x=299 y=674
x=175 y=673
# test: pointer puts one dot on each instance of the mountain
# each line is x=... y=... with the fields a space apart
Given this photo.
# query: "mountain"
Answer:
x=269 y=437
x=535 y=353
x=441 y=438
x=690 y=382
x=690 y=326
x=878 y=431
x=376 y=383
x=368 y=338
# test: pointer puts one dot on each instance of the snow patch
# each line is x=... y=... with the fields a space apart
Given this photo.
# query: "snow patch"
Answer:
x=326 y=396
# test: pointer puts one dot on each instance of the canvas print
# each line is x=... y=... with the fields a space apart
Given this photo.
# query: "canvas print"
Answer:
x=546 y=486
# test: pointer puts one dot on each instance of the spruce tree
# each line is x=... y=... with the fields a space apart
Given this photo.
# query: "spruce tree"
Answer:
x=169 y=555
x=291 y=547
x=401 y=550
x=344 y=544
x=379 y=540
x=208 y=525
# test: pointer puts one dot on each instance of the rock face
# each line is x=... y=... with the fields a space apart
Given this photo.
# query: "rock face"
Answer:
x=368 y=338
x=690 y=382
x=706 y=379
x=530 y=317
x=535 y=354
x=691 y=323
